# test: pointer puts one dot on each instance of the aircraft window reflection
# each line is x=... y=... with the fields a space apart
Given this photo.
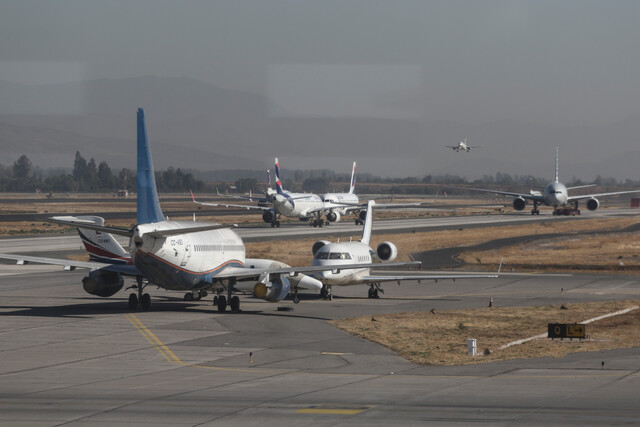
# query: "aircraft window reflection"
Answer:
x=322 y=255
x=339 y=255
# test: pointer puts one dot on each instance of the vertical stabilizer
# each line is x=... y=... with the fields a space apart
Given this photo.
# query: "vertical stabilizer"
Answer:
x=557 y=165
x=352 y=188
x=148 y=203
x=368 y=222
x=279 y=188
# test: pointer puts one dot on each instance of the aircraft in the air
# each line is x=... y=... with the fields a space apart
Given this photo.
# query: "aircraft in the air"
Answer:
x=186 y=256
x=555 y=194
x=462 y=146
x=326 y=253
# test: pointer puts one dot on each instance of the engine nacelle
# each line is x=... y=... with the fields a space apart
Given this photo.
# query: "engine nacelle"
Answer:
x=273 y=291
x=269 y=216
x=362 y=215
x=386 y=251
x=333 y=216
x=593 y=204
x=318 y=245
x=519 y=203
x=102 y=283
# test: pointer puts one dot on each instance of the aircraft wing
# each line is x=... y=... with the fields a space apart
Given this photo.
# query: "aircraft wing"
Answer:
x=588 y=196
x=89 y=225
x=527 y=196
x=231 y=205
x=70 y=265
x=293 y=271
x=419 y=277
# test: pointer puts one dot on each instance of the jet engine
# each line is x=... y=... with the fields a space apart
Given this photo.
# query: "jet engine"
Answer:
x=593 y=204
x=274 y=290
x=386 y=251
x=318 y=245
x=269 y=216
x=102 y=283
x=333 y=216
x=519 y=203
x=362 y=215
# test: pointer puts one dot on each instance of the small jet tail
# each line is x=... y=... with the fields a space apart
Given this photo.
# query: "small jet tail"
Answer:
x=557 y=165
x=102 y=246
x=268 y=178
x=279 y=188
x=368 y=222
x=148 y=203
x=352 y=188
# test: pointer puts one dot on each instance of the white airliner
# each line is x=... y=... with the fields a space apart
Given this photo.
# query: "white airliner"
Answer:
x=342 y=253
x=175 y=255
x=555 y=194
x=304 y=206
x=462 y=146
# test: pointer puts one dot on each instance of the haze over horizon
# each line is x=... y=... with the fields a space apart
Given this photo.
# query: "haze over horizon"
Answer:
x=322 y=84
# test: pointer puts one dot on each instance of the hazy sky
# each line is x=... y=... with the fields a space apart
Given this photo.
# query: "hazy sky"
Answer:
x=547 y=62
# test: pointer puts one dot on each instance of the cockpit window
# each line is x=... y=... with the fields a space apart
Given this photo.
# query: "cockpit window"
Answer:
x=322 y=255
x=339 y=255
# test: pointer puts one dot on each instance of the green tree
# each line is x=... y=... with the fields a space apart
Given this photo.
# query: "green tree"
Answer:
x=22 y=167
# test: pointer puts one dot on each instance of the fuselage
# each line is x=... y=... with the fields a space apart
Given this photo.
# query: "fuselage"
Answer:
x=334 y=200
x=296 y=204
x=339 y=254
x=555 y=194
x=184 y=261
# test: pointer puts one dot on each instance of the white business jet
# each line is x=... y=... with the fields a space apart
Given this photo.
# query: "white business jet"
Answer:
x=343 y=253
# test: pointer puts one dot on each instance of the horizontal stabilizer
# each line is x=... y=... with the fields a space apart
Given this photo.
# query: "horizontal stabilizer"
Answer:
x=89 y=225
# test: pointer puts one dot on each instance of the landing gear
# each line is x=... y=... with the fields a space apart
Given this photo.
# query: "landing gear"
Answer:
x=317 y=222
x=326 y=293
x=295 y=298
x=275 y=223
x=234 y=303
x=535 y=210
x=359 y=222
x=143 y=299
x=374 y=288
x=195 y=295
x=222 y=304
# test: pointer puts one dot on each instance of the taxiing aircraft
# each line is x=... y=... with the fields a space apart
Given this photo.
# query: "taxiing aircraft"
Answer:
x=183 y=256
x=326 y=254
x=555 y=194
x=462 y=146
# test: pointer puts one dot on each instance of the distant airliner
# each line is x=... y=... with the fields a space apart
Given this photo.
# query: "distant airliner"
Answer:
x=462 y=146
x=555 y=194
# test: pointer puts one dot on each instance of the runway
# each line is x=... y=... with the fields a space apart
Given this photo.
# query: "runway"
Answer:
x=70 y=358
x=71 y=242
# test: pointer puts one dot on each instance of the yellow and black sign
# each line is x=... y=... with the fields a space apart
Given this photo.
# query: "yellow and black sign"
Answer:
x=564 y=330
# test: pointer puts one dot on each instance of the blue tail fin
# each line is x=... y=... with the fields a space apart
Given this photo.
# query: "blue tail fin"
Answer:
x=148 y=203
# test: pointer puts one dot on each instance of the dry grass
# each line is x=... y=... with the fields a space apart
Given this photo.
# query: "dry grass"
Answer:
x=441 y=338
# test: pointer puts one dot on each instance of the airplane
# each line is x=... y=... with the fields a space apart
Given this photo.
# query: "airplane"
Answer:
x=279 y=203
x=186 y=256
x=462 y=146
x=555 y=194
x=336 y=254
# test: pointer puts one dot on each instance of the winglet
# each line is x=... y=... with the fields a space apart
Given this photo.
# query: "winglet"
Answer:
x=557 y=165
x=148 y=204
x=500 y=267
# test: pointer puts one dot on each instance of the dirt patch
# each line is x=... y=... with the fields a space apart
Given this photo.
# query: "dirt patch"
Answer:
x=441 y=338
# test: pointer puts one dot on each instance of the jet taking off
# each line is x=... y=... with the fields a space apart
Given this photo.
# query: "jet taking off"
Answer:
x=183 y=256
x=555 y=194
x=462 y=146
x=336 y=254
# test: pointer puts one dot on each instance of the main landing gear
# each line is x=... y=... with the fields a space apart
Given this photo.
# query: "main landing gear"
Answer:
x=232 y=300
x=374 y=288
x=326 y=293
x=143 y=299
x=318 y=222
x=294 y=297
x=275 y=223
x=535 y=210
